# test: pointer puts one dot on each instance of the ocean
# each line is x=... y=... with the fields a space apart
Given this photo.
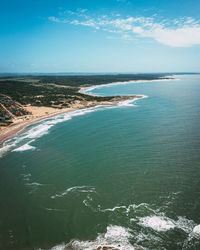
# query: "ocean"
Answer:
x=123 y=176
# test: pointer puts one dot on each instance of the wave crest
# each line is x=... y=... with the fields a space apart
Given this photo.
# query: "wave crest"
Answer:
x=116 y=237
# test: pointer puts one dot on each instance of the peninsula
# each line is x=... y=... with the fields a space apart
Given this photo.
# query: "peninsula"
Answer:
x=26 y=99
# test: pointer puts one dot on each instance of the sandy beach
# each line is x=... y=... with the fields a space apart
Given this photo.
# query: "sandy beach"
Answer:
x=42 y=113
x=38 y=114
x=89 y=88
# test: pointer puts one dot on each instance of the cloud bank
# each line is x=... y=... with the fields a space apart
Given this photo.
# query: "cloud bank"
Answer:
x=182 y=32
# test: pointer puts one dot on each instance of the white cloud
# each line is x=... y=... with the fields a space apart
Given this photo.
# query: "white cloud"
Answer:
x=90 y=23
x=54 y=19
x=127 y=37
x=138 y=30
x=181 y=37
x=182 y=32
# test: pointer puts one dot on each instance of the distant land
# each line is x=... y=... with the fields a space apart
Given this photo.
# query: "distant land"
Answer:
x=27 y=98
x=12 y=74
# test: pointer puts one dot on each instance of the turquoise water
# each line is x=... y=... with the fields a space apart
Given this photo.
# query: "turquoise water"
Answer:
x=122 y=176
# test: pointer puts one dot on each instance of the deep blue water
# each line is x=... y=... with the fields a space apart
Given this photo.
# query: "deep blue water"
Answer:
x=125 y=176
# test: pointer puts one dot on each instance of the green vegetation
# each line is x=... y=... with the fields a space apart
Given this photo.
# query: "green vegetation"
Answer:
x=5 y=123
x=88 y=80
x=60 y=90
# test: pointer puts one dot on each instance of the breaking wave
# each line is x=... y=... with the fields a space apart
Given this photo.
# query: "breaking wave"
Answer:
x=130 y=102
x=42 y=128
x=157 y=223
x=116 y=237
x=196 y=231
x=155 y=219
x=25 y=147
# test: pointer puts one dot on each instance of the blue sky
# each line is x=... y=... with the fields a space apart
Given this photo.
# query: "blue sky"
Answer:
x=100 y=36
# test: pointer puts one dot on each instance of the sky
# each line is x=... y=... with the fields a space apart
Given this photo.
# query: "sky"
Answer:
x=125 y=36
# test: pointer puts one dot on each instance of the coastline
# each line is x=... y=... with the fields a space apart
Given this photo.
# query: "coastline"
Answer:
x=14 y=128
x=21 y=123
x=89 y=88
x=18 y=126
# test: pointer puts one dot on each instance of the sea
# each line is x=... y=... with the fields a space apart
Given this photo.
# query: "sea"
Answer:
x=124 y=176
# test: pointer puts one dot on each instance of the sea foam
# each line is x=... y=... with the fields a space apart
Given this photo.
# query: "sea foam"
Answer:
x=80 y=189
x=162 y=223
x=43 y=127
x=25 y=147
x=196 y=230
x=155 y=219
x=157 y=223
x=116 y=237
x=40 y=129
x=130 y=102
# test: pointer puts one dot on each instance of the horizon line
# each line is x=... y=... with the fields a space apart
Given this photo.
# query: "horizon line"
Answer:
x=100 y=72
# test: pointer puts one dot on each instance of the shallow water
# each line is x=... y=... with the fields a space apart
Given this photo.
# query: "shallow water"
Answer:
x=123 y=176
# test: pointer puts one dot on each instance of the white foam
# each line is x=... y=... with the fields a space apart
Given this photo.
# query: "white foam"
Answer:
x=38 y=131
x=160 y=222
x=89 y=89
x=25 y=147
x=8 y=145
x=34 y=184
x=26 y=177
x=59 y=247
x=194 y=236
x=155 y=220
x=44 y=126
x=116 y=237
x=81 y=189
x=87 y=201
x=148 y=237
x=196 y=230
x=129 y=208
x=195 y=233
x=117 y=233
x=185 y=224
x=55 y=209
x=4 y=150
x=157 y=223
x=126 y=103
x=41 y=128
x=130 y=102
x=114 y=208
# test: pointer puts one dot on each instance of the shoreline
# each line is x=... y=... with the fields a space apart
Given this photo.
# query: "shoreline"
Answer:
x=89 y=88
x=14 y=128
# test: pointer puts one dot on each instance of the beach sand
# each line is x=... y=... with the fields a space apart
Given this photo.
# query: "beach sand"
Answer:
x=89 y=88
x=41 y=113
